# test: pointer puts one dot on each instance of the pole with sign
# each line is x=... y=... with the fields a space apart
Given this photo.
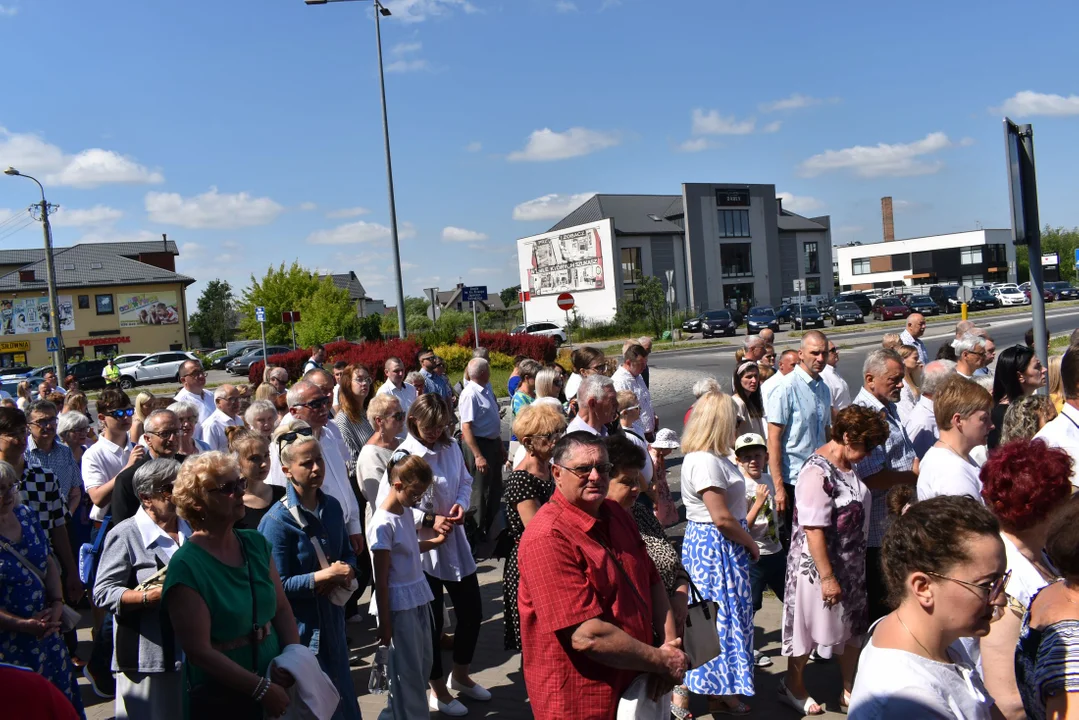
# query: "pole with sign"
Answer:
x=291 y=317
x=474 y=294
x=565 y=302
x=260 y=316
x=524 y=296
x=963 y=295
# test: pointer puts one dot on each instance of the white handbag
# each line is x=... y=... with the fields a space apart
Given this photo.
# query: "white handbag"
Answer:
x=637 y=704
x=701 y=639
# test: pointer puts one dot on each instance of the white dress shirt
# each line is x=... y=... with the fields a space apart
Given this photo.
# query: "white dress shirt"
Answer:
x=205 y=402
x=837 y=386
x=101 y=462
x=212 y=432
x=452 y=560
x=336 y=483
x=921 y=426
x=1062 y=432
x=625 y=380
x=154 y=537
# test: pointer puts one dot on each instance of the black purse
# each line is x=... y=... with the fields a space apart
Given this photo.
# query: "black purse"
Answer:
x=213 y=699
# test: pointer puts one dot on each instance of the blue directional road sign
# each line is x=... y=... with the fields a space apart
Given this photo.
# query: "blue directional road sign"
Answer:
x=474 y=293
x=52 y=344
x=1077 y=256
x=260 y=314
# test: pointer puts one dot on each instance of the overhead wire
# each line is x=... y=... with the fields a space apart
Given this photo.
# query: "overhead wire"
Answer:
x=12 y=230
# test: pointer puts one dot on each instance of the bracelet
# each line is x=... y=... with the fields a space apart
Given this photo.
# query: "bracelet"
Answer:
x=829 y=577
x=258 y=687
x=264 y=687
x=144 y=598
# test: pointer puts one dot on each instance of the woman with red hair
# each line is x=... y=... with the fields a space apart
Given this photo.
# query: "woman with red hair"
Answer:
x=1023 y=482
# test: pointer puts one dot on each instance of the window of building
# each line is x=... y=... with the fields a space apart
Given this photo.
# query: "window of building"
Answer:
x=971 y=280
x=813 y=286
x=812 y=263
x=631 y=266
x=106 y=351
x=734 y=223
x=901 y=261
x=970 y=255
x=74 y=354
x=860 y=266
x=104 y=304
x=735 y=260
x=84 y=302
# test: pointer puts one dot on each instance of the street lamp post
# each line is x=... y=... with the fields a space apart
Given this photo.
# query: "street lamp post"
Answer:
x=54 y=307
x=382 y=10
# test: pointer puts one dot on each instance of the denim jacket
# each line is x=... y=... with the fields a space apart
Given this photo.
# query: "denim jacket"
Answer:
x=296 y=561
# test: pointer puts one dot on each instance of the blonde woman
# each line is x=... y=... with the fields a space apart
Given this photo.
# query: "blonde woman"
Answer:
x=1056 y=383
x=718 y=548
x=141 y=412
x=26 y=397
x=912 y=381
x=548 y=383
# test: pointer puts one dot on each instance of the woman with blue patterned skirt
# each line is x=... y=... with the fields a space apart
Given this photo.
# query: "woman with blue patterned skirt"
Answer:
x=717 y=550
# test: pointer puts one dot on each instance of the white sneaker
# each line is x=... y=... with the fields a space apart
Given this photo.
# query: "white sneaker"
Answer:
x=453 y=709
x=476 y=692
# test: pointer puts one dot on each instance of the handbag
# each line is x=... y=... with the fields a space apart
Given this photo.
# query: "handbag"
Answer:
x=89 y=553
x=69 y=616
x=700 y=639
x=340 y=594
x=636 y=702
x=214 y=699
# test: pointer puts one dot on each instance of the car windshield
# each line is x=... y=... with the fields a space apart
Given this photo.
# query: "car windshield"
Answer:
x=921 y=299
x=718 y=315
x=847 y=307
x=519 y=328
x=1057 y=285
x=762 y=311
x=949 y=291
x=981 y=293
x=891 y=302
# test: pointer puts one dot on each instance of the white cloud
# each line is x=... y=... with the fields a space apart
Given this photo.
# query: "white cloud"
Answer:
x=799 y=203
x=8 y=10
x=405 y=48
x=546 y=144
x=564 y=6
x=456 y=234
x=696 y=145
x=414 y=11
x=211 y=209
x=407 y=66
x=82 y=217
x=712 y=123
x=358 y=232
x=88 y=168
x=550 y=207
x=608 y=4
x=892 y=160
x=1029 y=103
x=772 y=127
x=106 y=236
x=474 y=146
x=308 y=206
x=794 y=102
x=347 y=213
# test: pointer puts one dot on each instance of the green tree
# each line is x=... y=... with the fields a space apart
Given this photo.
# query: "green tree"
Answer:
x=653 y=302
x=415 y=306
x=1061 y=241
x=280 y=289
x=509 y=295
x=326 y=314
x=215 y=319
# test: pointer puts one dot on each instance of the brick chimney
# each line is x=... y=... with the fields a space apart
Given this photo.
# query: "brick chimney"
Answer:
x=889 y=221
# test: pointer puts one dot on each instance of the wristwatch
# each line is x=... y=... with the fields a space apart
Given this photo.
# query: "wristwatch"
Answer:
x=428 y=520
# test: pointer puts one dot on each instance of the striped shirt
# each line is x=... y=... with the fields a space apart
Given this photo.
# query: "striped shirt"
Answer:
x=897 y=454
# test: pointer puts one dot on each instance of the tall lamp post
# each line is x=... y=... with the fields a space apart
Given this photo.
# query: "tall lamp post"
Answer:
x=382 y=10
x=54 y=308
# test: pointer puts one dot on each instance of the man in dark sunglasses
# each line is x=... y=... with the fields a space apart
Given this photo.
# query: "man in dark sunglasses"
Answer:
x=161 y=433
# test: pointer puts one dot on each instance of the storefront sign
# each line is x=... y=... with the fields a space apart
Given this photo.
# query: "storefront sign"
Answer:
x=23 y=316
x=732 y=198
x=17 y=346
x=105 y=341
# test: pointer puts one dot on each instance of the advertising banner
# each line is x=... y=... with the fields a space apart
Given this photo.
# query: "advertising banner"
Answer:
x=148 y=309
x=567 y=262
x=22 y=316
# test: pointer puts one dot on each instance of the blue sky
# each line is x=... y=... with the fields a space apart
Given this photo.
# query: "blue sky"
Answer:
x=249 y=130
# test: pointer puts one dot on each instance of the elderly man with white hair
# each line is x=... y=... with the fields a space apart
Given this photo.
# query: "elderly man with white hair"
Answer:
x=921 y=426
x=597 y=405
x=969 y=354
x=767 y=335
x=481 y=433
x=212 y=430
x=278 y=378
x=754 y=347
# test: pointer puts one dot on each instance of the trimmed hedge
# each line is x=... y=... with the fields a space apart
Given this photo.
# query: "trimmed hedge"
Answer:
x=537 y=347
x=371 y=355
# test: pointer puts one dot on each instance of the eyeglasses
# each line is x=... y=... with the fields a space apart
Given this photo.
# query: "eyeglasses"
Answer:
x=992 y=590
x=232 y=487
x=833 y=351
x=320 y=404
x=558 y=382
x=198 y=374
x=630 y=409
x=583 y=472
x=551 y=437
x=399 y=415
x=162 y=433
x=121 y=414
x=290 y=437
x=47 y=422
x=597 y=368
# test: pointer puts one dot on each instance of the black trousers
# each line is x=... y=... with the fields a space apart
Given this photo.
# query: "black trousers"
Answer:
x=465 y=594
x=787 y=527
x=486 y=487
x=875 y=588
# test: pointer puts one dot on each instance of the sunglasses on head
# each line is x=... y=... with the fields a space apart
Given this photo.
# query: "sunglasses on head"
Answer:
x=121 y=414
x=290 y=437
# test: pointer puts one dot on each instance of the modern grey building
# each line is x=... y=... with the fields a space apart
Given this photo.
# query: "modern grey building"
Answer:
x=739 y=245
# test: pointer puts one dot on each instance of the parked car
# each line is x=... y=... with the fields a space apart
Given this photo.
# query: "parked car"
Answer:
x=1009 y=295
x=156 y=368
x=860 y=299
x=945 y=297
x=890 y=308
x=88 y=373
x=846 y=313
x=242 y=364
x=982 y=300
x=221 y=361
x=547 y=329
x=923 y=304
x=760 y=318
x=18 y=372
x=783 y=313
x=804 y=315
x=1062 y=290
x=693 y=324
x=123 y=361
x=718 y=322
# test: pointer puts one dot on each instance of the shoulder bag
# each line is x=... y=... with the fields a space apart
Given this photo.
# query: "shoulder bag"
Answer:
x=340 y=594
x=89 y=553
x=70 y=617
x=700 y=638
x=215 y=699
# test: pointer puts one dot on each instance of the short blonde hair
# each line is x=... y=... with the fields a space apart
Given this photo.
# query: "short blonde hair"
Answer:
x=381 y=407
x=545 y=383
x=957 y=395
x=890 y=341
x=712 y=425
x=542 y=419
x=626 y=399
x=197 y=477
x=290 y=423
x=265 y=391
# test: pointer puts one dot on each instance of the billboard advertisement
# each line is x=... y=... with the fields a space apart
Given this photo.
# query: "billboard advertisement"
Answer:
x=157 y=308
x=21 y=316
x=570 y=261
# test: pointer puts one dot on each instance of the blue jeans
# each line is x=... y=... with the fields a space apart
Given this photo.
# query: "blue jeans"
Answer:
x=769 y=571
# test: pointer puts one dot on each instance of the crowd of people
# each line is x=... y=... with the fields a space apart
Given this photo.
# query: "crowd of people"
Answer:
x=920 y=529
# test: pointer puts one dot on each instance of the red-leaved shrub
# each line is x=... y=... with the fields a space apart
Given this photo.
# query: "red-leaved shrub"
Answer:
x=537 y=347
x=372 y=355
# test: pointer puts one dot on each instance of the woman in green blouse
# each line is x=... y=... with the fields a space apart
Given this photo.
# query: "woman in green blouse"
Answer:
x=220 y=585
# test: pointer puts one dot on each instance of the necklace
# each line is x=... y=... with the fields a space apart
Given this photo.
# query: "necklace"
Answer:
x=914 y=637
x=949 y=446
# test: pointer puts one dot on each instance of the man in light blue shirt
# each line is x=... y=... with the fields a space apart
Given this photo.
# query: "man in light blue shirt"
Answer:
x=432 y=381
x=799 y=413
x=481 y=436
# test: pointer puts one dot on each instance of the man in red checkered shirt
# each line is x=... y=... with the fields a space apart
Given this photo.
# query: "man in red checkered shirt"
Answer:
x=591 y=601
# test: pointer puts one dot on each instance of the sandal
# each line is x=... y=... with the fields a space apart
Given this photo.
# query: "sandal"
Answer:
x=844 y=702
x=721 y=707
x=801 y=706
x=677 y=711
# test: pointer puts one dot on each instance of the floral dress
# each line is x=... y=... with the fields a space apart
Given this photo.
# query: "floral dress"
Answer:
x=836 y=500
x=22 y=594
x=520 y=486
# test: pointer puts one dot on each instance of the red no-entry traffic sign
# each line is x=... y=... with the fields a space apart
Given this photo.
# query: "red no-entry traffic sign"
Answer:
x=565 y=301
